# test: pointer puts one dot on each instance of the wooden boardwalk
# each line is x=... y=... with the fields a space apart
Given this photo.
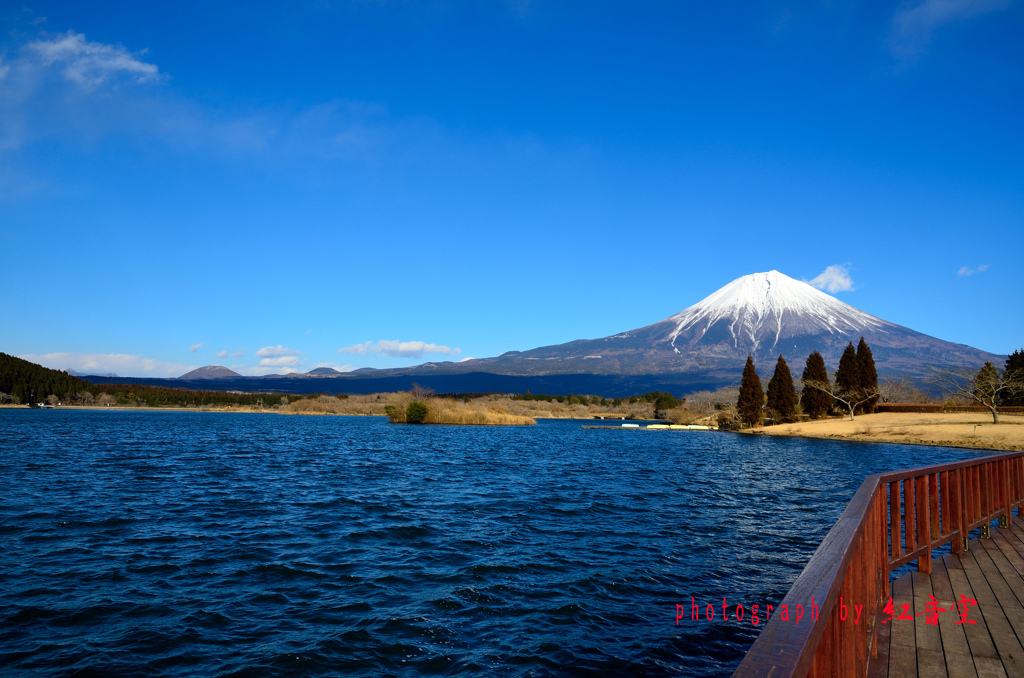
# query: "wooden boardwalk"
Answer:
x=990 y=572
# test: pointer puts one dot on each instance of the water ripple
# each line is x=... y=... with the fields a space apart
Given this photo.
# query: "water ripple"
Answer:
x=255 y=545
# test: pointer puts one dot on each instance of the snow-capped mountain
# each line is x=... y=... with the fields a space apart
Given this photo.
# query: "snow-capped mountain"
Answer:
x=703 y=346
x=762 y=314
x=762 y=310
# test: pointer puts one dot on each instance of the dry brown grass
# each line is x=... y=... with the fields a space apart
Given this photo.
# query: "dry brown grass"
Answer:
x=476 y=412
x=353 y=405
x=947 y=429
x=683 y=415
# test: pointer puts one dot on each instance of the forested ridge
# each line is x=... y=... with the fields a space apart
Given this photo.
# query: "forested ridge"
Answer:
x=24 y=382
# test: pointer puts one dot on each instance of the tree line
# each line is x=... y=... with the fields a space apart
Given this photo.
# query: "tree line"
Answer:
x=855 y=388
x=660 y=399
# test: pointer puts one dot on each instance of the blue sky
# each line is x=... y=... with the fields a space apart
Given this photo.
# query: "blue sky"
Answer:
x=376 y=183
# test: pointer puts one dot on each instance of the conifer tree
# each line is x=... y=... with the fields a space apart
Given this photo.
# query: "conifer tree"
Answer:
x=751 y=398
x=1015 y=370
x=868 y=375
x=848 y=374
x=815 y=402
x=781 y=399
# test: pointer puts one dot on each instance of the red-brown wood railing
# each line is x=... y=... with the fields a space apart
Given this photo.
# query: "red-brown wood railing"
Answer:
x=893 y=518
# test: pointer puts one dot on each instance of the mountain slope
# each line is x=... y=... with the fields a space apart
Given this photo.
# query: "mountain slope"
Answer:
x=763 y=314
x=211 y=372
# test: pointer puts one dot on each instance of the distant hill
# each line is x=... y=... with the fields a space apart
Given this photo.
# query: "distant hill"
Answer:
x=323 y=372
x=210 y=372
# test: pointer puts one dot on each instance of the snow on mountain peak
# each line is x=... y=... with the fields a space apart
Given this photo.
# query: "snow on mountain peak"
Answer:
x=756 y=304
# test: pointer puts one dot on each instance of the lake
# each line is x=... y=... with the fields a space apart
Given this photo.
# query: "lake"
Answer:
x=176 y=543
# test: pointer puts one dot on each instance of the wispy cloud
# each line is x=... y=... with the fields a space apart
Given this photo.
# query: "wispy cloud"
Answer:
x=967 y=270
x=283 y=361
x=195 y=347
x=914 y=24
x=90 y=64
x=277 y=351
x=254 y=371
x=121 y=364
x=235 y=354
x=399 y=349
x=835 y=278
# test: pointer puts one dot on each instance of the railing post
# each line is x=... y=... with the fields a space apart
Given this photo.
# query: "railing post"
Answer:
x=896 y=540
x=909 y=535
x=960 y=495
x=924 y=561
x=1007 y=501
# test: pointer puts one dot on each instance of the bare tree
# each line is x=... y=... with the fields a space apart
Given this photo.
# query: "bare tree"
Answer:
x=851 y=399
x=421 y=392
x=708 y=402
x=986 y=387
x=5 y=397
x=900 y=390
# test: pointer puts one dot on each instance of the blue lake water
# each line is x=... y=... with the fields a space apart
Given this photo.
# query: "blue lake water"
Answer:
x=151 y=543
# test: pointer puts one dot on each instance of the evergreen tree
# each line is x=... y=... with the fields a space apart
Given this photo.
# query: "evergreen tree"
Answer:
x=751 y=398
x=848 y=374
x=1015 y=370
x=781 y=399
x=815 y=403
x=868 y=375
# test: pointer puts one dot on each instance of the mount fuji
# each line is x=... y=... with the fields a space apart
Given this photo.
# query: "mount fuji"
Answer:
x=762 y=314
x=703 y=346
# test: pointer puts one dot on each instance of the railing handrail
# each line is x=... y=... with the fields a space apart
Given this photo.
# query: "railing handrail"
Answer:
x=890 y=476
x=866 y=543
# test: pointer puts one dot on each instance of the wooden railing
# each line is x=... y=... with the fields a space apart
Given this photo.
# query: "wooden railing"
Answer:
x=893 y=518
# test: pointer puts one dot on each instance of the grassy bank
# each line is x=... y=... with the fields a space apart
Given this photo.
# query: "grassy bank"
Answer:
x=974 y=430
x=475 y=412
x=490 y=409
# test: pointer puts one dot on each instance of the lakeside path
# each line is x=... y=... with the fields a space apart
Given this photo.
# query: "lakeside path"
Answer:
x=973 y=430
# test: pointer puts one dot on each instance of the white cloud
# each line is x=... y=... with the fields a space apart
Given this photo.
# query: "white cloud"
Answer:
x=121 y=364
x=283 y=361
x=913 y=26
x=251 y=371
x=277 y=351
x=90 y=64
x=835 y=278
x=967 y=270
x=195 y=347
x=224 y=354
x=358 y=349
x=399 y=349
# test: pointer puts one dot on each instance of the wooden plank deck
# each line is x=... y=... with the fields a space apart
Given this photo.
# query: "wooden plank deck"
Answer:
x=990 y=572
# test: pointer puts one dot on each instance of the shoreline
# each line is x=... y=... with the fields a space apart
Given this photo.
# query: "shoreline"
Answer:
x=968 y=431
x=244 y=410
x=218 y=410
